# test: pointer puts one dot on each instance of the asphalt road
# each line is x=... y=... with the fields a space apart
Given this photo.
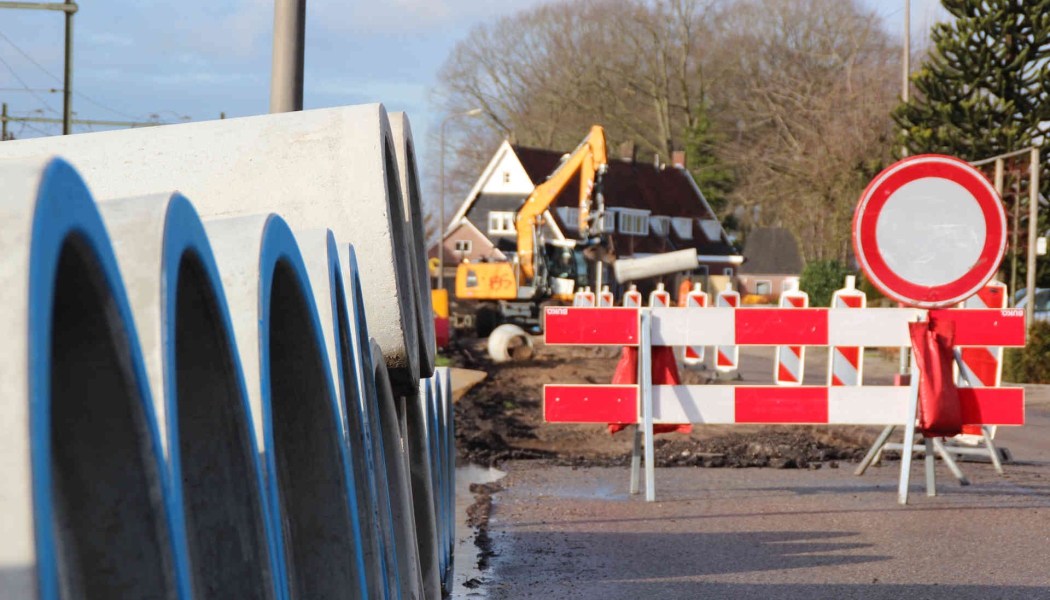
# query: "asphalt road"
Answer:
x=778 y=534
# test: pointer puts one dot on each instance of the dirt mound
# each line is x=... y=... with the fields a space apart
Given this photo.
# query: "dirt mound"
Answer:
x=502 y=419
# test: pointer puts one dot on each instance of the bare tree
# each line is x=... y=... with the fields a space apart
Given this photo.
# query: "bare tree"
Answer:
x=808 y=85
x=798 y=90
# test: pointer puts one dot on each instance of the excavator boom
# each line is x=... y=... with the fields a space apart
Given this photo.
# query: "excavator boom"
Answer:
x=589 y=160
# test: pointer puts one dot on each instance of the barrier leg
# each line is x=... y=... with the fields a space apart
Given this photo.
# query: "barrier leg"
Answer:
x=636 y=458
x=993 y=452
x=875 y=450
x=950 y=461
x=646 y=378
x=909 y=434
x=931 y=475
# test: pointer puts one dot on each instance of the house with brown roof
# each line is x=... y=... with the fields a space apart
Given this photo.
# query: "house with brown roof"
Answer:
x=771 y=258
x=650 y=208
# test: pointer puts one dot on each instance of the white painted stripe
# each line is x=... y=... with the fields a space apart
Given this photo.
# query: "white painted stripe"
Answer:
x=871 y=405
x=700 y=404
x=685 y=326
x=878 y=327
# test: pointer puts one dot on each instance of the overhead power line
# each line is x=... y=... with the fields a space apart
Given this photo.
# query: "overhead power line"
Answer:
x=25 y=87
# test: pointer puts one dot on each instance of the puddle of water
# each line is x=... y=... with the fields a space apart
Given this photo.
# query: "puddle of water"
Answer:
x=466 y=557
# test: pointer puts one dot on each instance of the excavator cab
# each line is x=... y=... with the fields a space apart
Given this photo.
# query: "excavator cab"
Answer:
x=567 y=271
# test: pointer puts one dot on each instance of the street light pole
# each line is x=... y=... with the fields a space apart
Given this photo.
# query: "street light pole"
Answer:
x=441 y=206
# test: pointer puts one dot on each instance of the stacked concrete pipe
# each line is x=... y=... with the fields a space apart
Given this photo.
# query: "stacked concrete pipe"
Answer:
x=84 y=502
x=256 y=375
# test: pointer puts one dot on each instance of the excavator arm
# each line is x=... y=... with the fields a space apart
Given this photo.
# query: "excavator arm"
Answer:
x=589 y=160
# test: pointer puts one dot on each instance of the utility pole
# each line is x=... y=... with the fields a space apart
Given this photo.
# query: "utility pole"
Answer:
x=67 y=94
x=289 y=49
x=904 y=362
x=69 y=7
x=1033 y=234
x=3 y=123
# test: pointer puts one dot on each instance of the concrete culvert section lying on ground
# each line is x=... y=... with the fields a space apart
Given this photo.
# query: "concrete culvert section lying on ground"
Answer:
x=226 y=529
x=197 y=385
x=110 y=528
x=322 y=559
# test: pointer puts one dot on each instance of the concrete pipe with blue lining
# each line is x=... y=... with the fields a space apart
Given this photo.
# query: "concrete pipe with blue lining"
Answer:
x=84 y=503
x=197 y=384
x=294 y=406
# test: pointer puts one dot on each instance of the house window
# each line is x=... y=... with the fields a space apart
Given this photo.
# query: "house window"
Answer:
x=464 y=246
x=702 y=270
x=728 y=271
x=501 y=223
x=763 y=287
x=570 y=216
x=610 y=222
x=683 y=227
x=633 y=223
x=661 y=225
x=712 y=229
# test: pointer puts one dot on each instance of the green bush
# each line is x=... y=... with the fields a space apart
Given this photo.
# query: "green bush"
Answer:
x=1030 y=364
x=820 y=279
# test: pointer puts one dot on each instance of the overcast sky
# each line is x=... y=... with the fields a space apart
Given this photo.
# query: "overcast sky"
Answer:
x=197 y=58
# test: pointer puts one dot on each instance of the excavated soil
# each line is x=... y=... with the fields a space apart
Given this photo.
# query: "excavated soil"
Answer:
x=502 y=419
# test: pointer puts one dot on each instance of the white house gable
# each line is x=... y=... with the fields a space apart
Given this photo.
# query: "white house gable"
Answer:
x=507 y=176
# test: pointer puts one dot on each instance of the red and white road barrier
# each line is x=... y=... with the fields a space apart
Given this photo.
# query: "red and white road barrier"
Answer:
x=790 y=364
x=649 y=405
x=727 y=357
x=846 y=363
x=696 y=298
x=765 y=404
x=982 y=366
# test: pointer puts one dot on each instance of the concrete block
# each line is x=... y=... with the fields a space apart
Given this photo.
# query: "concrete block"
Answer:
x=294 y=405
x=332 y=168
x=405 y=149
x=82 y=505
x=195 y=379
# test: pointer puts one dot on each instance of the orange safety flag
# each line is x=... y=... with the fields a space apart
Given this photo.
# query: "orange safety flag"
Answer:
x=665 y=372
x=940 y=414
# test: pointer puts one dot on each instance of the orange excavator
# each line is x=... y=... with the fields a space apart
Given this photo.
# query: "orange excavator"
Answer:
x=542 y=270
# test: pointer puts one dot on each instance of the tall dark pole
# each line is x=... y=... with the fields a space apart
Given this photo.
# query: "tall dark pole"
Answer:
x=3 y=123
x=67 y=92
x=289 y=50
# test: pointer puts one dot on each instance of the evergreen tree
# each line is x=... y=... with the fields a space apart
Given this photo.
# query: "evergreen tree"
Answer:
x=714 y=179
x=985 y=90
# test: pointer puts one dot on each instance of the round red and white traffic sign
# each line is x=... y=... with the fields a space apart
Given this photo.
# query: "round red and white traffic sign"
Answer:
x=929 y=231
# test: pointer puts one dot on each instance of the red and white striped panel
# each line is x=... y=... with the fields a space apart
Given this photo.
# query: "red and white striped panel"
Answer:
x=873 y=327
x=982 y=366
x=790 y=364
x=659 y=298
x=696 y=298
x=606 y=298
x=846 y=366
x=632 y=298
x=727 y=356
x=725 y=405
x=583 y=298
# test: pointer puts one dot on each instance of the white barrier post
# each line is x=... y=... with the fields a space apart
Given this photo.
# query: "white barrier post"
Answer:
x=605 y=297
x=790 y=363
x=696 y=298
x=727 y=358
x=846 y=363
x=645 y=377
